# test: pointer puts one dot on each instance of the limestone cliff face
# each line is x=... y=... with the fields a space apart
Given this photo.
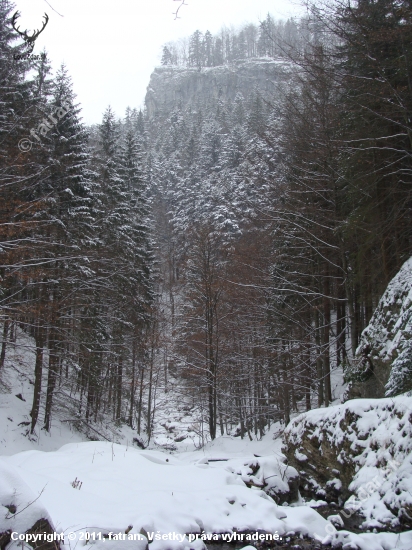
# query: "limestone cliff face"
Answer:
x=358 y=455
x=170 y=86
x=385 y=349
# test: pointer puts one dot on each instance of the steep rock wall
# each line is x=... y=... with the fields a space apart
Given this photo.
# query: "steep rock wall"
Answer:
x=170 y=86
x=385 y=350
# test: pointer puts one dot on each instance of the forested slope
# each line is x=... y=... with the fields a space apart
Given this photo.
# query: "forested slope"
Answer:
x=233 y=238
x=76 y=252
x=284 y=212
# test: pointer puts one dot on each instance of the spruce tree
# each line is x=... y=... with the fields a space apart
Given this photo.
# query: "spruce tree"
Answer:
x=69 y=214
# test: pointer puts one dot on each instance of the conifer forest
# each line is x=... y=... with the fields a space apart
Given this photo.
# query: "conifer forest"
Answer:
x=228 y=242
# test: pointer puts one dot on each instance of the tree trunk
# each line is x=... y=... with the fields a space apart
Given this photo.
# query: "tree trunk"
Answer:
x=51 y=379
x=133 y=385
x=325 y=341
x=4 y=343
x=38 y=373
x=139 y=412
x=119 y=386
x=149 y=398
x=319 y=364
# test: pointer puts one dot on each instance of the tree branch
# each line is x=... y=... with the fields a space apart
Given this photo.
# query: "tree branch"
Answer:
x=182 y=3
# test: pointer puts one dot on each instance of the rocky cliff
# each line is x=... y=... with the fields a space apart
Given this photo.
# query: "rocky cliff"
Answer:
x=172 y=85
x=357 y=455
x=385 y=350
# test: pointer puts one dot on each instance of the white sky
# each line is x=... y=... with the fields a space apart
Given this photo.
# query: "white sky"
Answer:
x=110 y=47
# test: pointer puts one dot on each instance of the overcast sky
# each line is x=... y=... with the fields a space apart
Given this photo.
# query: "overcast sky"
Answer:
x=110 y=47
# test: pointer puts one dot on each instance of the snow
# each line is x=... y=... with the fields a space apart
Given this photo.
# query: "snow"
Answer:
x=379 y=436
x=387 y=338
x=372 y=541
x=14 y=491
x=17 y=379
x=122 y=486
x=215 y=489
x=176 y=422
x=157 y=492
x=336 y=483
x=300 y=456
x=229 y=446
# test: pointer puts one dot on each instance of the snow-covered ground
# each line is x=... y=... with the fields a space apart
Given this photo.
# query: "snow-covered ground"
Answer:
x=16 y=397
x=177 y=424
x=101 y=487
x=122 y=486
x=98 y=487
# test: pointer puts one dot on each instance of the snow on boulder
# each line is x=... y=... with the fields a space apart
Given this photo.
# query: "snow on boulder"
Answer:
x=21 y=512
x=385 y=348
x=358 y=455
x=270 y=474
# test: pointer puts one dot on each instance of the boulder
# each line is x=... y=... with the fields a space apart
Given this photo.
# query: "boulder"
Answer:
x=21 y=511
x=357 y=455
x=271 y=475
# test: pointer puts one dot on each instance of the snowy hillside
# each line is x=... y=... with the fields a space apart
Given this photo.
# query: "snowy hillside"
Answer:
x=176 y=422
x=16 y=398
x=230 y=485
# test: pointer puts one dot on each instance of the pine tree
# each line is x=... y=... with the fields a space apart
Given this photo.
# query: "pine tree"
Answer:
x=196 y=53
x=21 y=242
x=218 y=57
x=167 y=58
x=208 y=49
x=43 y=83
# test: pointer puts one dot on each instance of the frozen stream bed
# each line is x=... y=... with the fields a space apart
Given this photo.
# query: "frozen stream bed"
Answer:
x=102 y=488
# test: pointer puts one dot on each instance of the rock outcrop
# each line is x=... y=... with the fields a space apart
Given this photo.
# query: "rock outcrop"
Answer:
x=359 y=456
x=385 y=351
x=183 y=86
